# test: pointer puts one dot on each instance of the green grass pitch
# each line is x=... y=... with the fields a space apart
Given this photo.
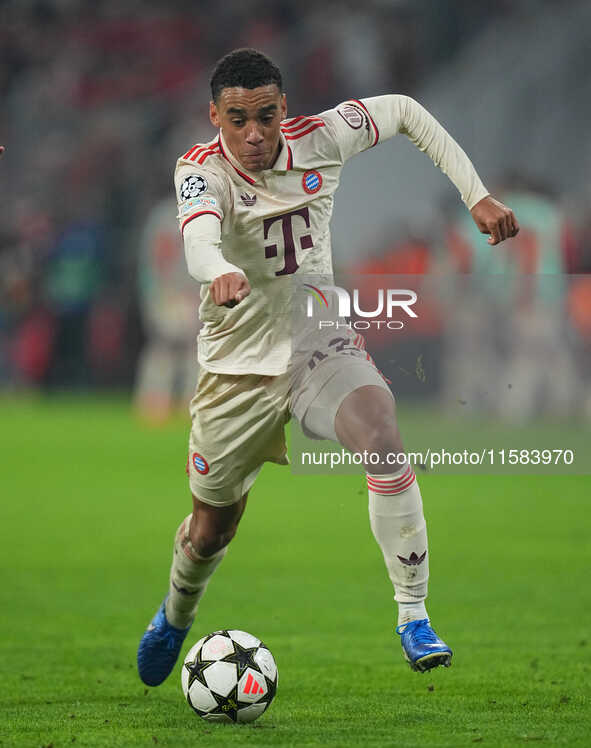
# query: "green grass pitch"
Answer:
x=90 y=502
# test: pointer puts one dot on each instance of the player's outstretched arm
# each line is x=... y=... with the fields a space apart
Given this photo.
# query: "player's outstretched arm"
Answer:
x=395 y=113
x=206 y=263
x=490 y=215
x=494 y=218
x=229 y=289
x=200 y=224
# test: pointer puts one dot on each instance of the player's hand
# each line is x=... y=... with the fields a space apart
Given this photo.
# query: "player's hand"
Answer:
x=1 y=149
x=229 y=289
x=494 y=218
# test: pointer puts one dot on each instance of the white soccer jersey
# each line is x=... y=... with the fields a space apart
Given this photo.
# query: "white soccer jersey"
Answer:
x=275 y=223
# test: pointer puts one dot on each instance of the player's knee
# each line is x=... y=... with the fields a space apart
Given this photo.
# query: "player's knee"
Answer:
x=212 y=528
x=382 y=437
x=366 y=421
x=209 y=546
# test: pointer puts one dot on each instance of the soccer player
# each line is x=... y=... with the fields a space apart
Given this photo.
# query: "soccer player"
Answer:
x=166 y=372
x=254 y=206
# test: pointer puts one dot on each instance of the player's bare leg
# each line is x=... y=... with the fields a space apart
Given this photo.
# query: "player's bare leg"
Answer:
x=200 y=545
x=366 y=421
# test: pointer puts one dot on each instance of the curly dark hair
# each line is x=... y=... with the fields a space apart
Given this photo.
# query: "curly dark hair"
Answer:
x=244 y=68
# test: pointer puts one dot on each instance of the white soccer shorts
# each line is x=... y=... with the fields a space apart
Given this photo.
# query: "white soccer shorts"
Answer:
x=238 y=420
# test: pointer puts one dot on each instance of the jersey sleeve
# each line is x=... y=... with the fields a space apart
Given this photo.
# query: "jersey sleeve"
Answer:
x=351 y=129
x=199 y=192
x=201 y=201
x=359 y=124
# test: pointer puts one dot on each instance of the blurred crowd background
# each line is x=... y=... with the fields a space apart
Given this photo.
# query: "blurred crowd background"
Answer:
x=98 y=99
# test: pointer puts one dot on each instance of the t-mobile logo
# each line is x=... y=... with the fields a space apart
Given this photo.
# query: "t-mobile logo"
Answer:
x=289 y=246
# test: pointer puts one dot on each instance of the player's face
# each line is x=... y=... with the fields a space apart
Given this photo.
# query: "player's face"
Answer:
x=249 y=120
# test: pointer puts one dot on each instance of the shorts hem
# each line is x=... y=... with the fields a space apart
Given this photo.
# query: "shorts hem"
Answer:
x=202 y=496
x=236 y=491
x=365 y=375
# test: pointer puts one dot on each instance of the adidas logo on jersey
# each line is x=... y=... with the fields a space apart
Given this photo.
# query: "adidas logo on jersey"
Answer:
x=248 y=200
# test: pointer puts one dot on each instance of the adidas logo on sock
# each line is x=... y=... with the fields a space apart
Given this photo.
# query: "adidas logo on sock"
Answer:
x=413 y=559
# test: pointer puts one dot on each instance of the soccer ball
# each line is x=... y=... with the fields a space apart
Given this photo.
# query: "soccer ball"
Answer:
x=229 y=676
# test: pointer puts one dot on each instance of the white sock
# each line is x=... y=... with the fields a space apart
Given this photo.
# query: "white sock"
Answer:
x=398 y=525
x=411 y=612
x=189 y=576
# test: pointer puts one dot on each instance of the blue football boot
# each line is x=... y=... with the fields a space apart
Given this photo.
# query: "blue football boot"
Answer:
x=422 y=648
x=159 y=649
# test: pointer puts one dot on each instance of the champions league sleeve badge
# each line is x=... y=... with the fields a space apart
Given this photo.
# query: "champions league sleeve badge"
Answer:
x=192 y=186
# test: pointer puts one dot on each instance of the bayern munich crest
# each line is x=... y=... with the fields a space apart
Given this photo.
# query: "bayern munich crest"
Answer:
x=311 y=181
x=200 y=463
x=193 y=186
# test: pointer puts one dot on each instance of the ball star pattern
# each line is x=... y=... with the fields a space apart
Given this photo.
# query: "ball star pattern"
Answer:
x=243 y=658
